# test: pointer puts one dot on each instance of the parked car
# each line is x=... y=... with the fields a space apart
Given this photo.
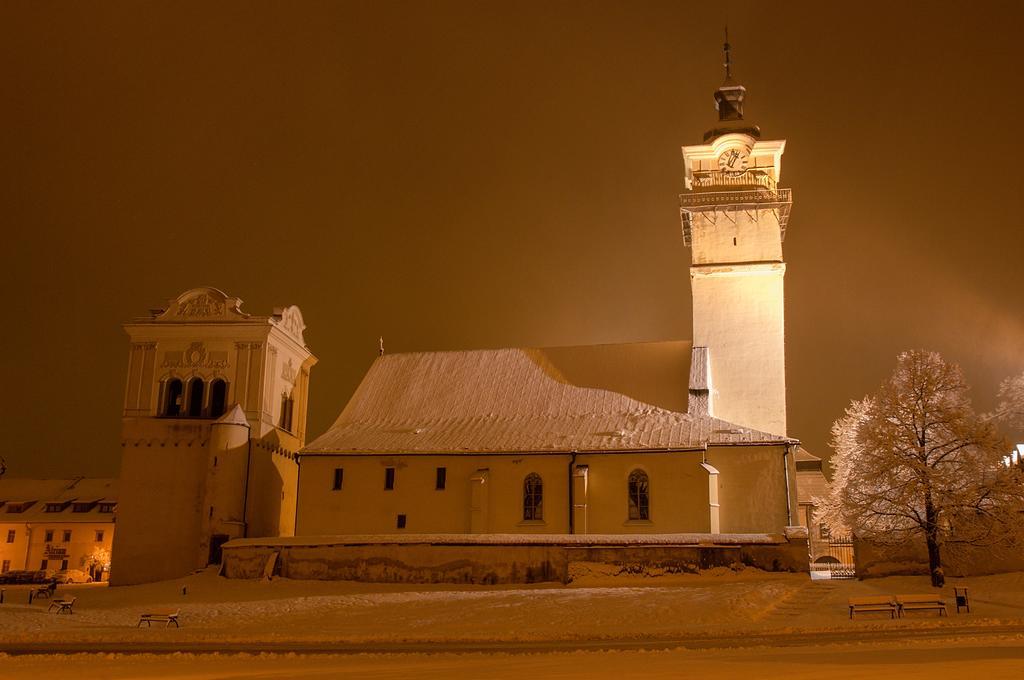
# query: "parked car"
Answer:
x=24 y=576
x=72 y=576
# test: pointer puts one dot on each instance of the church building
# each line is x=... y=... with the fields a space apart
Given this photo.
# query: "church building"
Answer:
x=662 y=438
x=542 y=446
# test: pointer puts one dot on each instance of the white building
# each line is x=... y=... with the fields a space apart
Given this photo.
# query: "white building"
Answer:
x=673 y=437
x=56 y=524
x=215 y=409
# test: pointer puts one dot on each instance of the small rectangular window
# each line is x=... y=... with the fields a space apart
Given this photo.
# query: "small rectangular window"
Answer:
x=99 y=536
x=401 y=521
x=42 y=565
x=49 y=536
x=442 y=474
x=339 y=478
x=389 y=478
x=67 y=536
x=63 y=564
x=6 y=567
x=107 y=507
x=10 y=536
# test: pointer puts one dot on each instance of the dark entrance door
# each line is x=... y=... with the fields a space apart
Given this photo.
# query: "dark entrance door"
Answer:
x=216 y=541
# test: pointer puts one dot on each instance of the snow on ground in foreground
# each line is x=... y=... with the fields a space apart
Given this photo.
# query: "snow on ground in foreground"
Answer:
x=916 y=661
x=597 y=605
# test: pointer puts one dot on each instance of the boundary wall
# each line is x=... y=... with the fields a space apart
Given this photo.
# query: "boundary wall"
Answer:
x=502 y=558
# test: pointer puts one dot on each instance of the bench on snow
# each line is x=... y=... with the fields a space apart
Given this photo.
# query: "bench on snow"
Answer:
x=46 y=590
x=63 y=606
x=875 y=603
x=921 y=602
x=164 y=616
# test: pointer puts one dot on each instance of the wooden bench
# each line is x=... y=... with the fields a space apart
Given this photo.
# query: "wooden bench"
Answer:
x=874 y=603
x=164 y=616
x=45 y=591
x=921 y=603
x=63 y=606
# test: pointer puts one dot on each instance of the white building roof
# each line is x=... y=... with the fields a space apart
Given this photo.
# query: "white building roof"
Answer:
x=526 y=400
x=39 y=493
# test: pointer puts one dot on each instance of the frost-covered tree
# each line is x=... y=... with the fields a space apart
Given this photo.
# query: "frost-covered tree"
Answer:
x=914 y=461
x=1011 y=402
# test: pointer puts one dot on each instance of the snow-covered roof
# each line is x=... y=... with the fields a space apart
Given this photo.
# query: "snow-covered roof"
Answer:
x=527 y=400
x=38 y=494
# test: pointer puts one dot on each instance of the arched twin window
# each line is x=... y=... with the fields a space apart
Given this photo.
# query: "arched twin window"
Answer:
x=218 y=398
x=181 y=400
x=639 y=495
x=173 y=398
x=195 y=397
x=533 y=497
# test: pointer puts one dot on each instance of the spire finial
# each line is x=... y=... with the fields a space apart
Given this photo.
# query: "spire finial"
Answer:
x=728 y=61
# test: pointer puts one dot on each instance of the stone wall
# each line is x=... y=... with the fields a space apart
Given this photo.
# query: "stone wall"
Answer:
x=488 y=562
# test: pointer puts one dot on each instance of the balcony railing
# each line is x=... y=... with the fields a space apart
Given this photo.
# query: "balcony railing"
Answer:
x=713 y=199
x=706 y=179
x=779 y=201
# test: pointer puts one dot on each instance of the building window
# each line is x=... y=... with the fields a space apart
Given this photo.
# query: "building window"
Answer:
x=218 y=398
x=442 y=478
x=55 y=507
x=63 y=564
x=67 y=535
x=82 y=507
x=5 y=567
x=172 y=398
x=48 y=536
x=389 y=478
x=639 y=495
x=43 y=564
x=287 y=407
x=99 y=536
x=339 y=478
x=196 y=388
x=401 y=522
x=10 y=535
x=533 y=497
x=107 y=507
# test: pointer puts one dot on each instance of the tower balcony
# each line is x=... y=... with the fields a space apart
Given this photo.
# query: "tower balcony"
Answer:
x=710 y=180
x=754 y=202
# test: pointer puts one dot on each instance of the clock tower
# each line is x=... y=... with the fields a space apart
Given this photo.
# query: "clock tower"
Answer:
x=734 y=218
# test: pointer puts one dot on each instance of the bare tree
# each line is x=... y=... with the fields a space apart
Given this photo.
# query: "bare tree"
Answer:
x=914 y=461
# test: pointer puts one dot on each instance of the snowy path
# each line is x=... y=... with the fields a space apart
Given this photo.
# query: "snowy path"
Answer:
x=951 y=635
x=918 y=661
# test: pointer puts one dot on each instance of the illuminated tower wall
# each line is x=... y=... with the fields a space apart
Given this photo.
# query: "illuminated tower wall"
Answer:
x=734 y=220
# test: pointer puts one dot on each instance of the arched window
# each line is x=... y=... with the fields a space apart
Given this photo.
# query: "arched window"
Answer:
x=195 y=398
x=172 y=398
x=639 y=495
x=287 y=409
x=533 y=497
x=218 y=398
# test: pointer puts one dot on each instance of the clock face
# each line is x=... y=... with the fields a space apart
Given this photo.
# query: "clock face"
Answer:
x=733 y=161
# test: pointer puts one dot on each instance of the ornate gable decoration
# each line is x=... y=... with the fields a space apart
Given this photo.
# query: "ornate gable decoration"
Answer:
x=289 y=320
x=203 y=304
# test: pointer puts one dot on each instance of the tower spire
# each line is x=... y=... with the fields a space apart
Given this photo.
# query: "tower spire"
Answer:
x=729 y=101
x=728 y=61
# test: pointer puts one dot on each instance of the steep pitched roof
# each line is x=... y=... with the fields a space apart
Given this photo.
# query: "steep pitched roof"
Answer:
x=514 y=400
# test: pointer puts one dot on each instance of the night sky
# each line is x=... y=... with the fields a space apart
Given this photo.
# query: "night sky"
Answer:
x=479 y=175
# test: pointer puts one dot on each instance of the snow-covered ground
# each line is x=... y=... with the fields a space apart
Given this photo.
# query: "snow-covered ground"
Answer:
x=726 y=619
